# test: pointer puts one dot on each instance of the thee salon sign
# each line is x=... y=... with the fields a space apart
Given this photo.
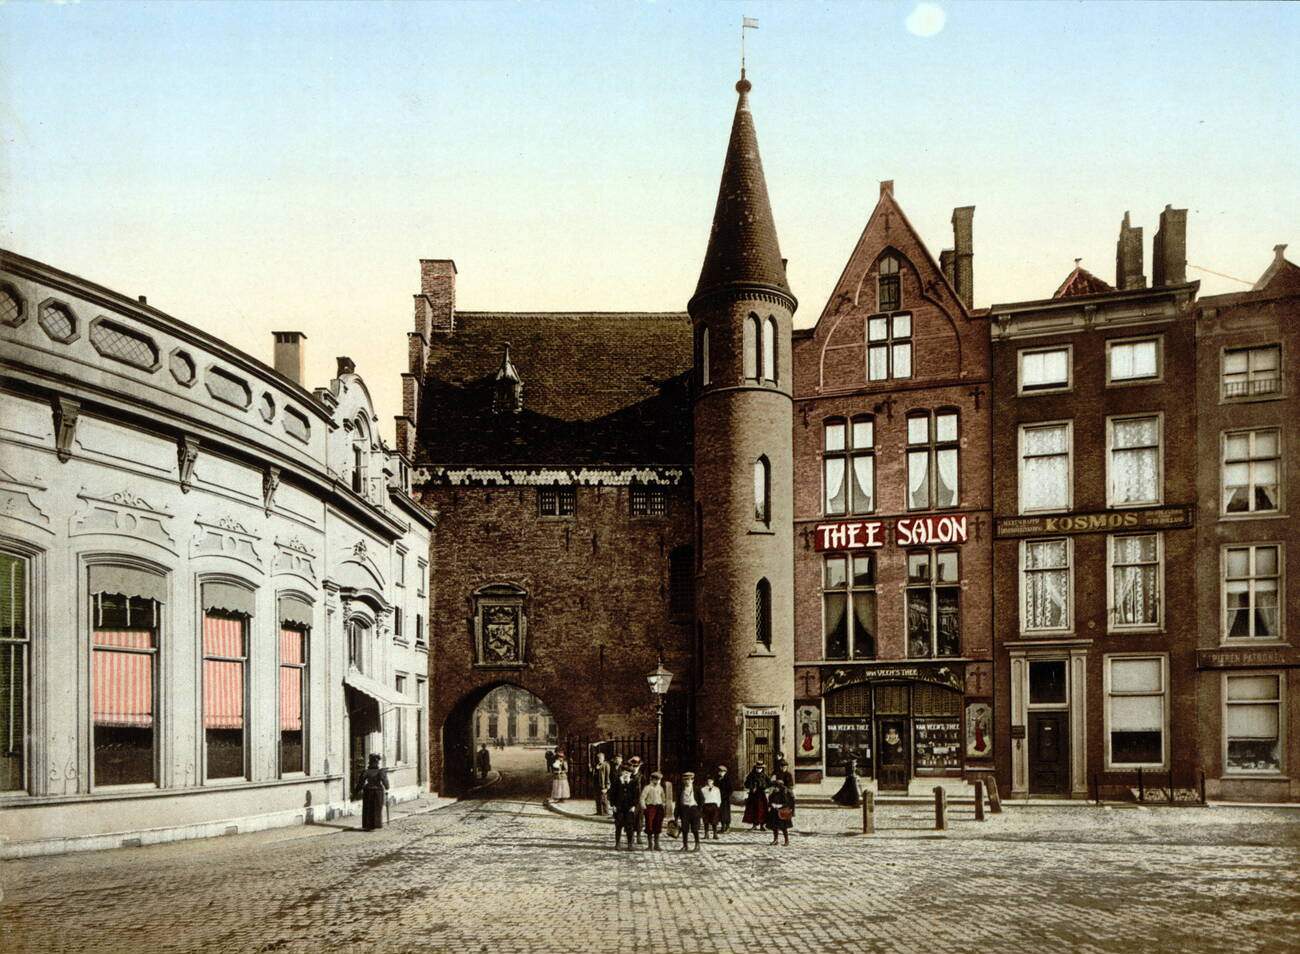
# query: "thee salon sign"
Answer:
x=908 y=532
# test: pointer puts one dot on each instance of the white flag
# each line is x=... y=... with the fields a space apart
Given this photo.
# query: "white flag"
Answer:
x=748 y=23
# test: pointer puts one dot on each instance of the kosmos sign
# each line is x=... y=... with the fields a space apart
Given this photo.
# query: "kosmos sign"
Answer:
x=908 y=532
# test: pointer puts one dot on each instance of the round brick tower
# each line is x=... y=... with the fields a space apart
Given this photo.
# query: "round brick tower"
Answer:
x=741 y=313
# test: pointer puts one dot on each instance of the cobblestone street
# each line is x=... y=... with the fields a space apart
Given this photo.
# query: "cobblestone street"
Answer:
x=509 y=876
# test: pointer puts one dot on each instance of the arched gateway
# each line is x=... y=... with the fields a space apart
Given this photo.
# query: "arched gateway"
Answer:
x=514 y=727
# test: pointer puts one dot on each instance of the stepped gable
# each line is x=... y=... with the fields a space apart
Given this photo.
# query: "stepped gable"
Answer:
x=598 y=389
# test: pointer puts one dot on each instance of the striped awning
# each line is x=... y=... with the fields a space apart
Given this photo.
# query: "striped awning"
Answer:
x=292 y=655
x=122 y=679
x=223 y=679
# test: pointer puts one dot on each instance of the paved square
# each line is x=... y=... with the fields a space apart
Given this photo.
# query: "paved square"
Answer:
x=509 y=876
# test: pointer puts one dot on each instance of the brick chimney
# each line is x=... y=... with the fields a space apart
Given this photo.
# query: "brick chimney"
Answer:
x=435 y=306
x=963 y=253
x=945 y=266
x=288 y=354
x=1169 y=250
x=1128 y=257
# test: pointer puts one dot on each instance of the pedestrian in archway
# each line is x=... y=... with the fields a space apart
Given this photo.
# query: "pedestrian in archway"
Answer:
x=372 y=787
x=756 y=785
x=559 y=777
x=484 y=762
x=780 y=810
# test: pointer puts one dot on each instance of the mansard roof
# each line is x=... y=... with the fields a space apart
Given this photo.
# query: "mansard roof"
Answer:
x=601 y=389
x=743 y=248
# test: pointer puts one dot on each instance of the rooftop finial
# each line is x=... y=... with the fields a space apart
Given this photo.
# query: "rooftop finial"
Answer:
x=746 y=23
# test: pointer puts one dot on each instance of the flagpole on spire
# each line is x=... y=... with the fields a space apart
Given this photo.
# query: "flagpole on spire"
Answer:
x=746 y=23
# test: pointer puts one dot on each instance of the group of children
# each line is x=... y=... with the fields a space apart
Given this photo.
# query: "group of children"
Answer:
x=642 y=805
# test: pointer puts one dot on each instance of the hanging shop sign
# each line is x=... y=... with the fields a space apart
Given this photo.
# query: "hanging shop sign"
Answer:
x=907 y=532
x=940 y=674
x=1155 y=518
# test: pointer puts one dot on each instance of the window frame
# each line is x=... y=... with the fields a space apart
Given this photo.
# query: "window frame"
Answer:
x=1023 y=391
x=1025 y=629
x=705 y=368
x=848 y=455
x=1224 y=628
x=1158 y=377
x=647 y=501
x=245 y=661
x=1068 y=424
x=156 y=674
x=894 y=277
x=752 y=349
x=305 y=669
x=1108 y=694
x=771 y=357
x=1279 y=459
x=849 y=590
x=931 y=586
x=401 y=750
x=763 y=507
x=1278 y=392
x=1112 y=624
x=1111 y=421
x=889 y=342
x=562 y=495
x=931 y=447
x=26 y=644
x=763 y=616
x=1280 y=701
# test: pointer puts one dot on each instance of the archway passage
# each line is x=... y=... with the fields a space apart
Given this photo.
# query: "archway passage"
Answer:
x=495 y=745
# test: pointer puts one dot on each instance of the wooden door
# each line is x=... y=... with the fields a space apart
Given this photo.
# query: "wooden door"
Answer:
x=1049 y=753
x=761 y=741
x=893 y=747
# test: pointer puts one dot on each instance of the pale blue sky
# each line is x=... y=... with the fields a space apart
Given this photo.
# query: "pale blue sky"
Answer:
x=252 y=166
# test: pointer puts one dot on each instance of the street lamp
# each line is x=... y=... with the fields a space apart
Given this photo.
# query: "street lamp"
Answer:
x=659 y=680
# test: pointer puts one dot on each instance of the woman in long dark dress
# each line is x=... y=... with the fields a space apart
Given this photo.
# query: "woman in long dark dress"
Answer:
x=850 y=793
x=373 y=788
x=756 y=783
x=780 y=811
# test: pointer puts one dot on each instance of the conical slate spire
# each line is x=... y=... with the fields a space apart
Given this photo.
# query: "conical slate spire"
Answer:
x=743 y=249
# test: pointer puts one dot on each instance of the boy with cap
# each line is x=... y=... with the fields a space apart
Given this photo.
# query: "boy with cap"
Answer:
x=655 y=803
x=638 y=816
x=624 y=794
x=710 y=808
x=688 y=809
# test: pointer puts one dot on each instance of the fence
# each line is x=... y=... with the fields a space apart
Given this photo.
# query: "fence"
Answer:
x=1152 y=786
x=581 y=752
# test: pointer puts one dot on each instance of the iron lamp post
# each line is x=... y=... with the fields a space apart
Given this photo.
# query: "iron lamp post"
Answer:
x=659 y=681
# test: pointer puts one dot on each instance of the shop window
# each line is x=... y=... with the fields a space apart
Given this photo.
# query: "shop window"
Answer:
x=769 y=349
x=1132 y=360
x=124 y=675
x=1252 y=580
x=1252 y=372
x=648 y=501
x=1046 y=585
x=557 y=501
x=931 y=460
x=1135 y=711
x=681 y=581
x=888 y=293
x=15 y=673
x=763 y=614
x=933 y=604
x=1252 y=723
x=225 y=692
x=889 y=347
x=1251 y=469
x=1136 y=579
x=762 y=491
x=1045 y=369
x=293 y=695
x=753 y=347
x=1134 y=466
x=1045 y=467
x=848 y=466
x=849 y=606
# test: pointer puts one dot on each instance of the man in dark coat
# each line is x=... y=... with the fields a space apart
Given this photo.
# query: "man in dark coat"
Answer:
x=623 y=795
x=484 y=764
x=727 y=785
x=687 y=809
x=600 y=779
x=639 y=780
x=372 y=786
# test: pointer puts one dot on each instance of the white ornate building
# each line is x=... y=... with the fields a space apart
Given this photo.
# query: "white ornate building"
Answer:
x=213 y=582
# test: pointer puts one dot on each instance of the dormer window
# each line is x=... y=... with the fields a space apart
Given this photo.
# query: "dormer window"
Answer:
x=889 y=297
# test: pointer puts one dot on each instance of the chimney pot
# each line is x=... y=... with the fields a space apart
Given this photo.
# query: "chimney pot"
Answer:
x=886 y=186
x=963 y=218
x=1169 y=248
x=435 y=306
x=1279 y=252
x=142 y=299
x=288 y=354
x=1128 y=257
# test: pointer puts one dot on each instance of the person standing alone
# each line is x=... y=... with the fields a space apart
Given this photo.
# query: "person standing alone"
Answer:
x=689 y=801
x=600 y=779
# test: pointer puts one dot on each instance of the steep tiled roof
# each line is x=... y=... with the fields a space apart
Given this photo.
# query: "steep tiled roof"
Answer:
x=599 y=389
x=743 y=249
x=1081 y=282
x=1281 y=275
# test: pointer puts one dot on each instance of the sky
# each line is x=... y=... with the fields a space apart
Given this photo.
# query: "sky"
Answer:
x=258 y=166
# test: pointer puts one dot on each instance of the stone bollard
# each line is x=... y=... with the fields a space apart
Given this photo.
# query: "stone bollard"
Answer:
x=868 y=812
x=995 y=800
x=979 y=800
x=940 y=809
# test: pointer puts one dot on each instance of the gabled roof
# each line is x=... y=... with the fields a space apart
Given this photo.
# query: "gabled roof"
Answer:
x=743 y=248
x=1281 y=275
x=1081 y=282
x=600 y=389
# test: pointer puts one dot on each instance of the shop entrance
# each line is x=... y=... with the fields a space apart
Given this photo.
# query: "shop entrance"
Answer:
x=892 y=774
x=1049 y=753
x=894 y=731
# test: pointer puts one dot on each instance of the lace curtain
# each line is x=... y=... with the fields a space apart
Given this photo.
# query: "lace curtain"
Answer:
x=1135 y=461
x=1045 y=475
x=1047 y=578
x=1136 y=581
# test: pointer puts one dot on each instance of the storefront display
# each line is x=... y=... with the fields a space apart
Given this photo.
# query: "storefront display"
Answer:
x=848 y=737
x=938 y=746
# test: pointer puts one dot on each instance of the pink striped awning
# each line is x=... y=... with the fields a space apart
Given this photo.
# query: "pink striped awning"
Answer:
x=122 y=682
x=223 y=679
x=291 y=657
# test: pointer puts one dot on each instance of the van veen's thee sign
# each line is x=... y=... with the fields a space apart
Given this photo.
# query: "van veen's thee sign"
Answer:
x=1157 y=518
x=908 y=532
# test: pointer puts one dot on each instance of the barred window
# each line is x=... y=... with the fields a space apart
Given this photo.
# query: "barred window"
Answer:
x=1250 y=372
x=649 y=501
x=763 y=614
x=557 y=501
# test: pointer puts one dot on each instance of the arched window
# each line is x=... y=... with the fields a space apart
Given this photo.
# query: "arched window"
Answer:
x=763 y=614
x=361 y=458
x=769 y=349
x=704 y=357
x=762 y=491
x=752 y=347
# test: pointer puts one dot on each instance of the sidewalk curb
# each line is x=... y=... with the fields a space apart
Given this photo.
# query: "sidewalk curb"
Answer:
x=552 y=807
